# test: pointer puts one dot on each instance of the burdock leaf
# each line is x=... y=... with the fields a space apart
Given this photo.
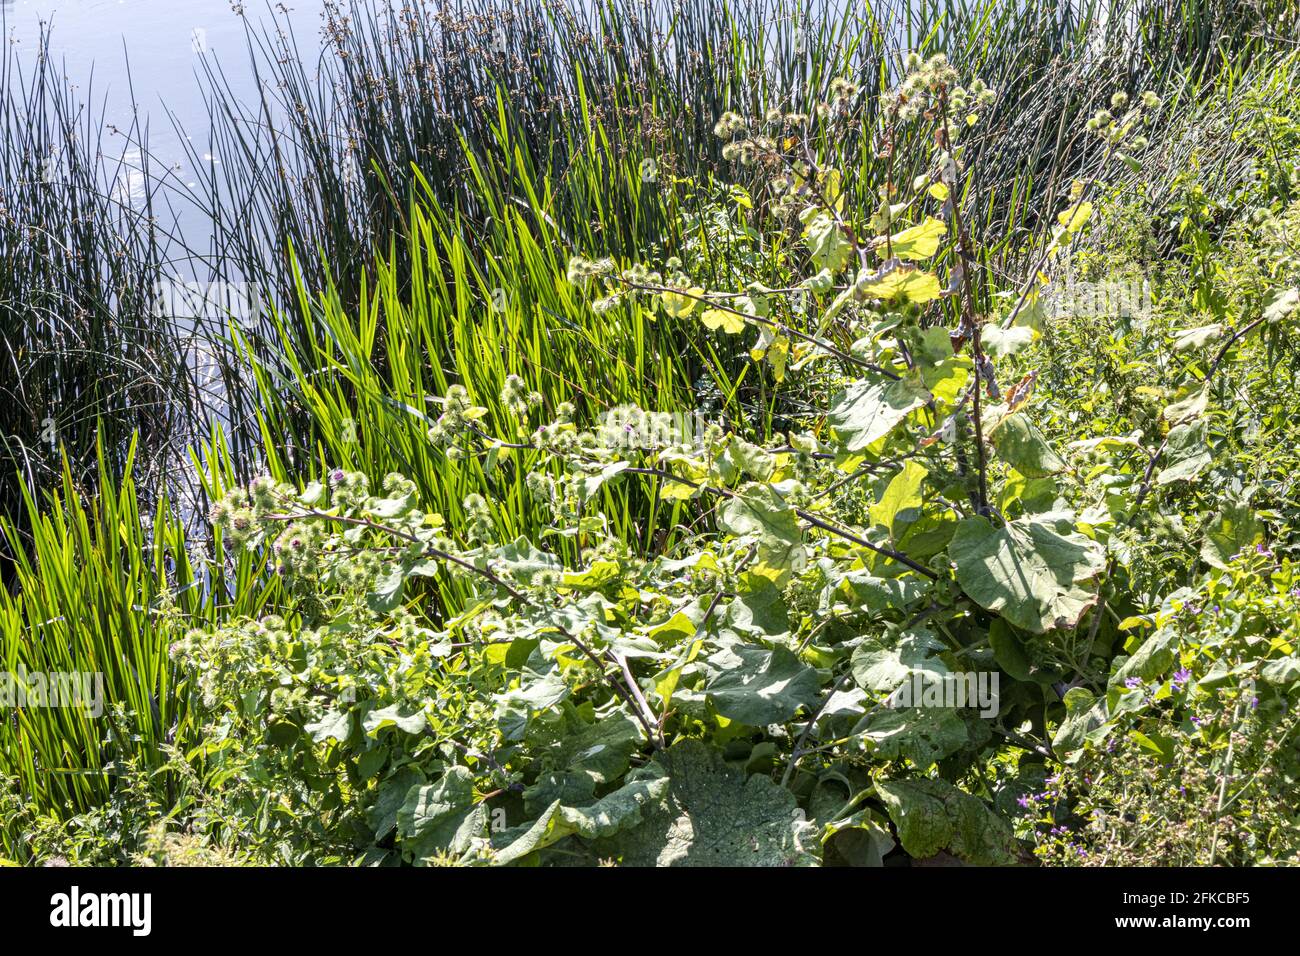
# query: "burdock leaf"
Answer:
x=758 y=686
x=924 y=735
x=759 y=511
x=713 y=815
x=1031 y=571
x=868 y=410
x=1022 y=446
x=881 y=665
x=1186 y=453
x=918 y=242
x=933 y=815
x=441 y=816
x=607 y=816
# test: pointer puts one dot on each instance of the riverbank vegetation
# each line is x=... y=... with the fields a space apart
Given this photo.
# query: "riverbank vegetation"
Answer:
x=632 y=405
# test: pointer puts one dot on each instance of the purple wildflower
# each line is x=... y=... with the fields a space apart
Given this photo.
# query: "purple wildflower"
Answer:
x=1181 y=677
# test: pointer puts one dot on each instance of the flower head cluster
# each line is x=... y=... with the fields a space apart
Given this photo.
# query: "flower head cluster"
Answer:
x=238 y=515
x=926 y=79
x=1116 y=125
x=843 y=90
x=349 y=488
x=729 y=125
x=297 y=549
x=517 y=398
x=582 y=269
x=479 y=527
x=454 y=421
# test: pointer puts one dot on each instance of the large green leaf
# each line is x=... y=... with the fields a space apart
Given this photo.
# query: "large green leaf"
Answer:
x=713 y=815
x=828 y=247
x=604 y=818
x=441 y=816
x=924 y=735
x=1186 y=453
x=1234 y=529
x=1022 y=446
x=1084 y=716
x=758 y=686
x=1031 y=571
x=520 y=560
x=866 y=411
x=933 y=815
x=882 y=664
x=862 y=590
x=760 y=513
x=760 y=612
x=903 y=493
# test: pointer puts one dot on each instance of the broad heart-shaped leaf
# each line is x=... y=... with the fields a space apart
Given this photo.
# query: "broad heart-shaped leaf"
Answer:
x=712 y=815
x=1188 y=408
x=1186 y=453
x=882 y=664
x=1282 y=305
x=333 y=725
x=932 y=815
x=730 y=322
x=677 y=304
x=1085 y=716
x=412 y=721
x=758 y=686
x=924 y=735
x=588 y=485
x=520 y=559
x=759 y=511
x=1234 y=529
x=537 y=691
x=902 y=492
x=1030 y=571
x=1073 y=218
x=390 y=798
x=895 y=280
x=387 y=592
x=760 y=612
x=1194 y=338
x=1022 y=446
x=827 y=245
x=863 y=591
x=856 y=840
x=597 y=749
x=999 y=342
x=607 y=816
x=918 y=242
x=441 y=816
x=868 y=410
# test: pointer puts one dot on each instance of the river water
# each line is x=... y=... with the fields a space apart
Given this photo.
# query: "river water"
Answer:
x=142 y=58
